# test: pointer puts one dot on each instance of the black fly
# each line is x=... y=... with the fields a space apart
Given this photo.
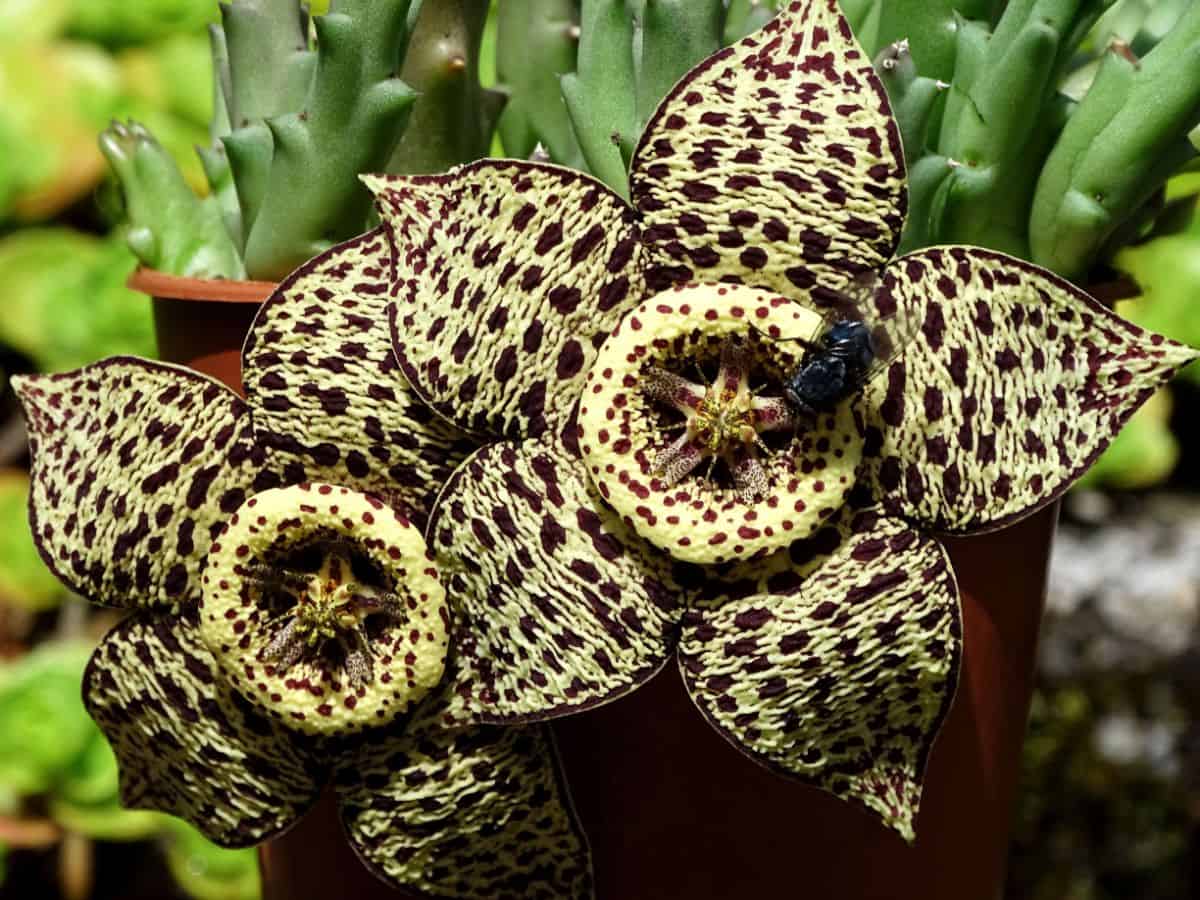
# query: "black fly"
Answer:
x=850 y=349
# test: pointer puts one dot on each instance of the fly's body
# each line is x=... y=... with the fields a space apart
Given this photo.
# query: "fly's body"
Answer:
x=836 y=366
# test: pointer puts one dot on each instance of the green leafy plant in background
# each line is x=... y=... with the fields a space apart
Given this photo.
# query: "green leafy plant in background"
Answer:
x=120 y=22
x=53 y=758
x=25 y=581
x=1166 y=270
x=55 y=95
x=307 y=101
x=66 y=303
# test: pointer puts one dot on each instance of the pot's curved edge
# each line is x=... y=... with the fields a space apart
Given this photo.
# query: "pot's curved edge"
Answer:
x=162 y=286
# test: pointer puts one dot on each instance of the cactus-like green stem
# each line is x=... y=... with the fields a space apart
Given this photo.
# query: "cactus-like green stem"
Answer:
x=213 y=157
x=601 y=94
x=170 y=228
x=671 y=36
x=453 y=120
x=351 y=122
x=996 y=124
x=913 y=96
x=1129 y=133
x=536 y=44
x=929 y=26
x=270 y=63
x=744 y=17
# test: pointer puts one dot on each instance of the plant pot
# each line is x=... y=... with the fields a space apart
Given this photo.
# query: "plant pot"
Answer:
x=670 y=809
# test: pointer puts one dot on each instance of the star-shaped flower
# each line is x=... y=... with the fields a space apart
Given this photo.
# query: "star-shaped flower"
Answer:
x=585 y=544
x=288 y=627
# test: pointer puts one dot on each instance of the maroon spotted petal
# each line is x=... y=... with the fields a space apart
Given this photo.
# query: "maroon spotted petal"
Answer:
x=325 y=390
x=185 y=744
x=558 y=605
x=1014 y=384
x=473 y=814
x=775 y=162
x=135 y=467
x=835 y=662
x=510 y=275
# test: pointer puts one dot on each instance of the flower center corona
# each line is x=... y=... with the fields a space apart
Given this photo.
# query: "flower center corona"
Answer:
x=686 y=432
x=324 y=608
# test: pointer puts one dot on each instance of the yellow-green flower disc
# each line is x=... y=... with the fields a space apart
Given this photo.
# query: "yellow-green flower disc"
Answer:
x=324 y=608
x=800 y=474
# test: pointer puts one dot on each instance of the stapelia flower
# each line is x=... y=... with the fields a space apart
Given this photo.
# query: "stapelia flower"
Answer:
x=288 y=627
x=610 y=353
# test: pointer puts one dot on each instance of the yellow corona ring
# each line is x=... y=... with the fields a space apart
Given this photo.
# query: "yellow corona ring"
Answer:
x=324 y=608
x=713 y=467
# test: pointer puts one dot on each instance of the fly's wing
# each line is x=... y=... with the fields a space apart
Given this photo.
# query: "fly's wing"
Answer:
x=891 y=325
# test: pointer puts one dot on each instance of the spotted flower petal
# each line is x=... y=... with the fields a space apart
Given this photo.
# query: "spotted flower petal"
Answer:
x=1014 y=384
x=326 y=392
x=837 y=664
x=511 y=273
x=558 y=605
x=135 y=466
x=186 y=745
x=473 y=814
x=775 y=162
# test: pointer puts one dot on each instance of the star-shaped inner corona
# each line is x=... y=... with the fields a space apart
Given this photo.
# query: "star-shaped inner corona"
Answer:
x=722 y=422
x=324 y=608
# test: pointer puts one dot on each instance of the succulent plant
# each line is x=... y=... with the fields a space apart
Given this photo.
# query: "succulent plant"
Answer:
x=311 y=101
x=1029 y=126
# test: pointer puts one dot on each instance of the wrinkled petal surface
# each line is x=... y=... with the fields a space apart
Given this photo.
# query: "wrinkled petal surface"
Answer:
x=187 y=746
x=838 y=664
x=511 y=273
x=136 y=465
x=476 y=814
x=774 y=162
x=1014 y=384
x=326 y=392
x=558 y=606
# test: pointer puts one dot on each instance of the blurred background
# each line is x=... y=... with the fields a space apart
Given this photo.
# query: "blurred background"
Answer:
x=1110 y=806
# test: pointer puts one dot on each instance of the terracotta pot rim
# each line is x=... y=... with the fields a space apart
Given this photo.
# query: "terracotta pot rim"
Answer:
x=218 y=290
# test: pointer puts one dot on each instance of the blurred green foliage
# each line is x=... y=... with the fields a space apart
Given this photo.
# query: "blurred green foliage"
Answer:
x=52 y=753
x=66 y=303
x=57 y=94
x=24 y=579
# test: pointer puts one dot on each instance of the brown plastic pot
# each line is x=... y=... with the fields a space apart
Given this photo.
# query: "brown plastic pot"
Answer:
x=671 y=810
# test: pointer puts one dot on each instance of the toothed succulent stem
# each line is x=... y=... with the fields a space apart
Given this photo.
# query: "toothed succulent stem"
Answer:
x=351 y=122
x=669 y=37
x=170 y=228
x=536 y=43
x=269 y=61
x=453 y=120
x=1129 y=133
x=601 y=95
x=631 y=53
x=747 y=16
x=913 y=97
x=988 y=127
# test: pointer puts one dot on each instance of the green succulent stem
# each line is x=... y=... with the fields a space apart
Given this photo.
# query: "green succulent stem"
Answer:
x=170 y=228
x=536 y=44
x=671 y=36
x=988 y=128
x=351 y=122
x=453 y=120
x=744 y=17
x=601 y=95
x=1129 y=133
